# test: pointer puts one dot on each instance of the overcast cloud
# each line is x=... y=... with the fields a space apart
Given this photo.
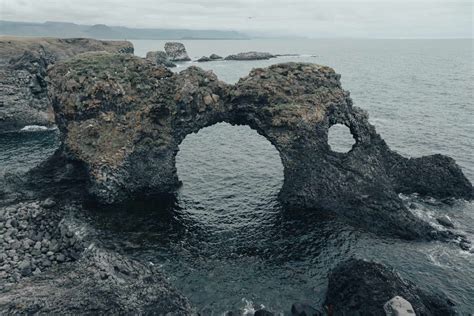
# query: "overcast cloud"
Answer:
x=312 y=18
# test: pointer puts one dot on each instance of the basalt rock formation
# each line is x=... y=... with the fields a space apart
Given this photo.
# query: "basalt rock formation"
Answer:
x=176 y=51
x=122 y=119
x=23 y=86
x=360 y=286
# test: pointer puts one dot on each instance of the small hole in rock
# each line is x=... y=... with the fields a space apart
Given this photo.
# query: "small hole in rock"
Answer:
x=340 y=138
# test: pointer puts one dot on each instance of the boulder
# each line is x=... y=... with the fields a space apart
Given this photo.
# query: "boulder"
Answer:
x=358 y=286
x=176 y=51
x=398 y=306
x=250 y=56
x=160 y=58
x=445 y=221
x=302 y=309
x=23 y=84
x=126 y=138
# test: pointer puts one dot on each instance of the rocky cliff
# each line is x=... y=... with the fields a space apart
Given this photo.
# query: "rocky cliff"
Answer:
x=122 y=118
x=23 y=84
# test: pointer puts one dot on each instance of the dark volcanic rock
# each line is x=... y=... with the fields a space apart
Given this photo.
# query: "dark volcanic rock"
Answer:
x=53 y=261
x=101 y=282
x=358 y=287
x=33 y=238
x=215 y=57
x=445 y=221
x=250 y=56
x=204 y=59
x=263 y=312
x=132 y=116
x=160 y=58
x=176 y=51
x=23 y=84
x=301 y=309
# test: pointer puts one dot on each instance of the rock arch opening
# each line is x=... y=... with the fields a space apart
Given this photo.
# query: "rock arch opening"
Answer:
x=226 y=167
x=340 y=138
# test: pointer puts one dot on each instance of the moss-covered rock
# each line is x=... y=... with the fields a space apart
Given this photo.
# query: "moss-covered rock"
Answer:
x=123 y=118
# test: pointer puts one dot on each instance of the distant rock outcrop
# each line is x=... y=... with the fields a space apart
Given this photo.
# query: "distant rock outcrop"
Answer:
x=23 y=83
x=250 y=56
x=160 y=58
x=212 y=57
x=176 y=51
x=358 y=285
x=204 y=59
x=215 y=57
x=127 y=136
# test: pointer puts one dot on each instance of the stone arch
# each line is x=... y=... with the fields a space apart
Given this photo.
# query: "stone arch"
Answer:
x=233 y=121
x=123 y=118
x=206 y=154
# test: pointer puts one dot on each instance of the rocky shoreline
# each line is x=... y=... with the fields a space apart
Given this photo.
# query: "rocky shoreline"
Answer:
x=33 y=238
x=23 y=83
x=121 y=139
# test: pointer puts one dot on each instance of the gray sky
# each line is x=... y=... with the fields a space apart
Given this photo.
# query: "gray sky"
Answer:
x=312 y=18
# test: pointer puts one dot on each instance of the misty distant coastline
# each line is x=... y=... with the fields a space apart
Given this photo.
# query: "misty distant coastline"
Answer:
x=102 y=31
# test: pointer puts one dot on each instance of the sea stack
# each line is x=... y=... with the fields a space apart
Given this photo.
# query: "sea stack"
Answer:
x=176 y=51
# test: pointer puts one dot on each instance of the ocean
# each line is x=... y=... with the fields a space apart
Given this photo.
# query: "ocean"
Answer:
x=227 y=244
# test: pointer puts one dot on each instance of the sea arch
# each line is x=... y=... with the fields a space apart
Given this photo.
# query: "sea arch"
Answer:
x=123 y=118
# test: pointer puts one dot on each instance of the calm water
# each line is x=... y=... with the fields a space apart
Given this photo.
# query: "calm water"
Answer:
x=227 y=244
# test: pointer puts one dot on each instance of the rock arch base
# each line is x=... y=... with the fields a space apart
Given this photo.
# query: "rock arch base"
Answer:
x=123 y=119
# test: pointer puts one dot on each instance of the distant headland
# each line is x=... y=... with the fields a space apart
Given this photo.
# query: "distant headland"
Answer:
x=102 y=31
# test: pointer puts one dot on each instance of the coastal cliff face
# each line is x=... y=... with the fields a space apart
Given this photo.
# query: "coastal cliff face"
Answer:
x=122 y=118
x=23 y=85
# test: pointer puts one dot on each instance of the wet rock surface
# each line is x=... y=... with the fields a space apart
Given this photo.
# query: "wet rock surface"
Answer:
x=250 y=56
x=160 y=58
x=302 y=309
x=176 y=51
x=53 y=261
x=23 y=83
x=132 y=116
x=359 y=287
